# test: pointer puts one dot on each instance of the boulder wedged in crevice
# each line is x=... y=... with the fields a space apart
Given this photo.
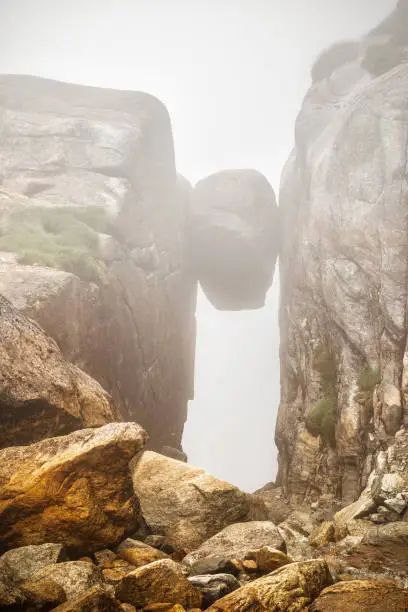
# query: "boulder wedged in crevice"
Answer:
x=233 y=238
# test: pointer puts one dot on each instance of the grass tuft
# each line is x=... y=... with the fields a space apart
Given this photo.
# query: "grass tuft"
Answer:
x=62 y=238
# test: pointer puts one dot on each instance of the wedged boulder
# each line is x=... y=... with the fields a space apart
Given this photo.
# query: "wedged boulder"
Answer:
x=41 y=394
x=292 y=587
x=369 y=595
x=233 y=238
x=214 y=587
x=75 y=577
x=236 y=541
x=94 y=599
x=160 y=581
x=184 y=503
x=75 y=490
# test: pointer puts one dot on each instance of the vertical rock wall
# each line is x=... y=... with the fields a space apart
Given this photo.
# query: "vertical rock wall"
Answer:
x=132 y=327
x=344 y=270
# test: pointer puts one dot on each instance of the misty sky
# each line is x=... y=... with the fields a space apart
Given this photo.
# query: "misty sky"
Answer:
x=232 y=74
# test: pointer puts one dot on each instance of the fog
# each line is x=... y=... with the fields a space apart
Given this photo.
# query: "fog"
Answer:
x=232 y=74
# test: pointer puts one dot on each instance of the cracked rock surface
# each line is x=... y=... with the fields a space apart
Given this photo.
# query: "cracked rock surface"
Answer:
x=71 y=150
x=344 y=270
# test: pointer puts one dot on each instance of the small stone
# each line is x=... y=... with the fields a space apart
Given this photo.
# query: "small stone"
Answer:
x=250 y=566
x=23 y=562
x=141 y=556
x=43 y=593
x=213 y=587
x=396 y=504
x=216 y=564
x=75 y=577
x=104 y=555
x=114 y=576
x=322 y=535
x=86 y=560
x=268 y=559
x=131 y=543
x=94 y=599
x=127 y=607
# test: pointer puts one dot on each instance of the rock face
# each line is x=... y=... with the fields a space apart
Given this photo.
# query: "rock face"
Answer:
x=41 y=394
x=186 y=504
x=233 y=238
x=74 y=489
x=92 y=234
x=343 y=266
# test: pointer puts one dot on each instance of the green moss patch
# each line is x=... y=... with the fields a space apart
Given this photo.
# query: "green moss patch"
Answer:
x=62 y=238
x=321 y=417
x=366 y=383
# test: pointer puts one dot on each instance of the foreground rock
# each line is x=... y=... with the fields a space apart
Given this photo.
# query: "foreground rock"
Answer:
x=370 y=595
x=75 y=577
x=158 y=582
x=93 y=600
x=290 y=588
x=42 y=395
x=383 y=548
x=236 y=542
x=233 y=241
x=184 y=503
x=214 y=587
x=74 y=489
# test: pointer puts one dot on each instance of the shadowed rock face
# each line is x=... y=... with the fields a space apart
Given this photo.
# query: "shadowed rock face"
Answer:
x=41 y=394
x=123 y=312
x=233 y=238
x=343 y=265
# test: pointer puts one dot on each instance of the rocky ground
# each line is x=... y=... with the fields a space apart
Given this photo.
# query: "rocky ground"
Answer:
x=91 y=521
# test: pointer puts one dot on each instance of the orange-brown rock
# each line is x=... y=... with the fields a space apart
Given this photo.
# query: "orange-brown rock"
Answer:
x=184 y=503
x=43 y=593
x=95 y=599
x=160 y=581
x=322 y=535
x=359 y=595
x=267 y=559
x=42 y=395
x=235 y=541
x=292 y=587
x=74 y=489
x=141 y=556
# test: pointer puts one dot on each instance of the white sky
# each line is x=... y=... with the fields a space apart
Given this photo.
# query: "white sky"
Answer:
x=232 y=74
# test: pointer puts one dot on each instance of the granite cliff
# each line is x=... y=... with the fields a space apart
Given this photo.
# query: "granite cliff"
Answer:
x=342 y=423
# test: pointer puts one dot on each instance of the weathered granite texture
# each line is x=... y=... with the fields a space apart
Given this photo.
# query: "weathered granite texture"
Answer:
x=124 y=312
x=344 y=271
x=233 y=238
